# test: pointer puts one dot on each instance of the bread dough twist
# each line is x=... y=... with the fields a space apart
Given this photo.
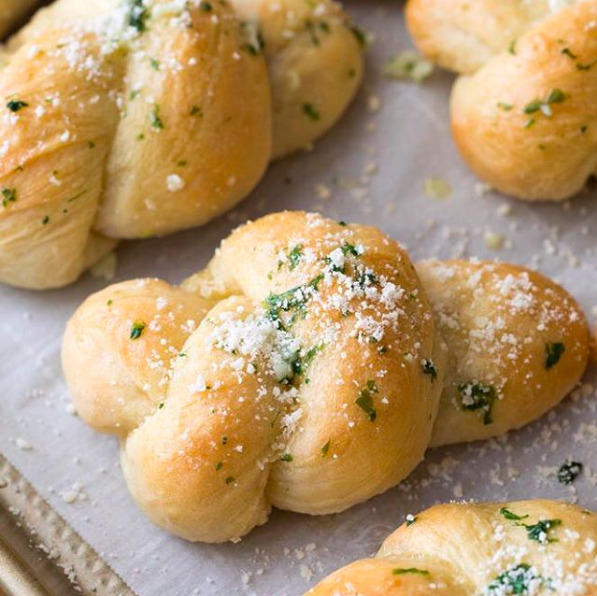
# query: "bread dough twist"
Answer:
x=303 y=369
x=523 y=116
x=129 y=119
x=12 y=11
x=536 y=548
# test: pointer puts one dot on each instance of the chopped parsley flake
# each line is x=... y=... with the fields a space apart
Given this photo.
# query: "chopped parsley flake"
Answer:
x=588 y=66
x=544 y=105
x=509 y=515
x=287 y=457
x=478 y=396
x=516 y=580
x=219 y=466
x=294 y=256
x=568 y=52
x=412 y=570
x=138 y=15
x=429 y=369
x=293 y=299
x=569 y=472
x=155 y=118
x=16 y=105
x=9 y=195
x=553 y=353
x=326 y=448
x=310 y=111
x=365 y=400
x=539 y=531
x=137 y=329
x=230 y=480
x=360 y=35
x=350 y=249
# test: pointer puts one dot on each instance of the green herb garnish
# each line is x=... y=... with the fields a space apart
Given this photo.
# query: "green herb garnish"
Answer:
x=16 y=105
x=516 y=580
x=413 y=570
x=509 y=515
x=365 y=400
x=310 y=111
x=544 y=105
x=553 y=353
x=155 y=118
x=294 y=256
x=138 y=15
x=569 y=472
x=539 y=531
x=137 y=329
x=568 y=52
x=429 y=369
x=478 y=396
x=293 y=299
x=9 y=195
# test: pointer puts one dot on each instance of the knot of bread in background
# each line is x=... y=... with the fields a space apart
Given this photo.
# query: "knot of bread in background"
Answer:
x=491 y=549
x=304 y=369
x=12 y=11
x=524 y=114
x=129 y=119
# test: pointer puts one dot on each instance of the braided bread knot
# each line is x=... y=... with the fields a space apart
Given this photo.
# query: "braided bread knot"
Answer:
x=523 y=115
x=303 y=369
x=136 y=118
x=11 y=11
x=535 y=548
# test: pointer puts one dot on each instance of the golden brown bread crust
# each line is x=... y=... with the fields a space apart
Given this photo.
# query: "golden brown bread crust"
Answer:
x=523 y=118
x=314 y=381
x=315 y=59
x=293 y=405
x=517 y=342
x=72 y=163
x=473 y=549
x=128 y=121
x=462 y=36
x=525 y=122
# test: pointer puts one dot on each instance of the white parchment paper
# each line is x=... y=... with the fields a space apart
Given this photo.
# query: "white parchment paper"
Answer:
x=374 y=165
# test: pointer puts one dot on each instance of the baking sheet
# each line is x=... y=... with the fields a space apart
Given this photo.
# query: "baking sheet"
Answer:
x=370 y=169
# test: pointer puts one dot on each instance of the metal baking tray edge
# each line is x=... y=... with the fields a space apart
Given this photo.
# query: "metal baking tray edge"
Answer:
x=40 y=554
